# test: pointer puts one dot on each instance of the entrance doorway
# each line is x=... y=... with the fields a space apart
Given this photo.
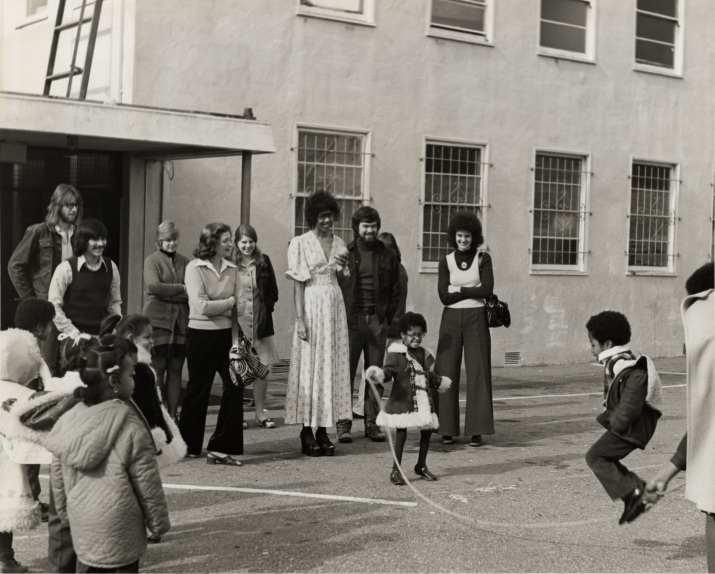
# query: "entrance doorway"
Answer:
x=25 y=192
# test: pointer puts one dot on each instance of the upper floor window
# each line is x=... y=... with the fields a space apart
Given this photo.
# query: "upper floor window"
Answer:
x=559 y=214
x=356 y=11
x=333 y=161
x=469 y=20
x=652 y=217
x=31 y=11
x=454 y=179
x=567 y=29
x=659 y=35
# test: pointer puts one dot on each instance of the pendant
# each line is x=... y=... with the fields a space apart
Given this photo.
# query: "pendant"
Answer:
x=463 y=265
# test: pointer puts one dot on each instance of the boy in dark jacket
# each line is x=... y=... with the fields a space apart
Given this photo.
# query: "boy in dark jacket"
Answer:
x=632 y=396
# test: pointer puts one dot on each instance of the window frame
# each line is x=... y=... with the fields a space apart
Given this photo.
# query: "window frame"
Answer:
x=334 y=130
x=589 y=56
x=367 y=18
x=581 y=268
x=486 y=38
x=23 y=19
x=677 y=70
x=670 y=269
x=433 y=266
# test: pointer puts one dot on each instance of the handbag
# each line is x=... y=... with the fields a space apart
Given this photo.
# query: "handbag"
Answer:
x=245 y=366
x=498 y=314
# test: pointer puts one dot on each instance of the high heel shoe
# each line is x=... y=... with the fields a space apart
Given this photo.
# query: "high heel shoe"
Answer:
x=308 y=442
x=227 y=459
x=327 y=448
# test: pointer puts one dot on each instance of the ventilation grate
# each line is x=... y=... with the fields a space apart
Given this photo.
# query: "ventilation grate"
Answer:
x=512 y=359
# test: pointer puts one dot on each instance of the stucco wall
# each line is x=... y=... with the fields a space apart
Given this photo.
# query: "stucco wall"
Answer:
x=401 y=86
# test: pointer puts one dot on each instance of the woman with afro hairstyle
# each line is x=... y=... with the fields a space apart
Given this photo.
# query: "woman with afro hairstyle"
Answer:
x=318 y=382
x=465 y=281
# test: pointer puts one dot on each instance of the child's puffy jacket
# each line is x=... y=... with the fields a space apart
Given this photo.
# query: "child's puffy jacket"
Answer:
x=106 y=482
x=627 y=414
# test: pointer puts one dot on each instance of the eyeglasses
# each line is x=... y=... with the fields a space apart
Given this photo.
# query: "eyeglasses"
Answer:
x=326 y=216
x=71 y=205
x=415 y=336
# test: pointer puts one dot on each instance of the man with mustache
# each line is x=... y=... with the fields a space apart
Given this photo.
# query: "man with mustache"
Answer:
x=43 y=247
x=370 y=284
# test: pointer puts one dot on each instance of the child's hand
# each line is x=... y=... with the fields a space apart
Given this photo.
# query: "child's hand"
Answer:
x=153 y=539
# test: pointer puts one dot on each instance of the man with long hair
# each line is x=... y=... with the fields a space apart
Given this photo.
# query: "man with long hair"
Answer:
x=44 y=246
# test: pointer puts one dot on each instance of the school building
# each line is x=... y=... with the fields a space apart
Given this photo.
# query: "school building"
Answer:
x=581 y=131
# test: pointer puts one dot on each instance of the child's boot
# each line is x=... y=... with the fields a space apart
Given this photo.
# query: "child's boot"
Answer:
x=396 y=477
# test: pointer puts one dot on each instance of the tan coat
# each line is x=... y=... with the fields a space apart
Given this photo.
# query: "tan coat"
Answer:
x=699 y=322
x=106 y=482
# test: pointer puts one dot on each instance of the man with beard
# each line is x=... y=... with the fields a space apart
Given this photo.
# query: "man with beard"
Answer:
x=371 y=289
x=44 y=246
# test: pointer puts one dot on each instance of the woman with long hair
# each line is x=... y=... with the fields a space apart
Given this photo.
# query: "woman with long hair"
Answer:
x=261 y=291
x=214 y=288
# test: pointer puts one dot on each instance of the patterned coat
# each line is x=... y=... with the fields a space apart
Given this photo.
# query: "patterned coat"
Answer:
x=410 y=403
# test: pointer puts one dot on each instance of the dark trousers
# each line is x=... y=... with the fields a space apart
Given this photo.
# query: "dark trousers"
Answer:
x=6 y=552
x=133 y=567
x=367 y=339
x=33 y=477
x=206 y=355
x=604 y=457
x=60 y=548
x=465 y=329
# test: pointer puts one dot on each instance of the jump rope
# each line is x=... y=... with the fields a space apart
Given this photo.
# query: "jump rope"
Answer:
x=488 y=523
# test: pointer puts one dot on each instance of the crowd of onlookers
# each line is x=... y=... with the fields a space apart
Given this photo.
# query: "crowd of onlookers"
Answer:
x=98 y=395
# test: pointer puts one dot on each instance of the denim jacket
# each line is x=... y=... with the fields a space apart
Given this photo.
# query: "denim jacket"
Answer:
x=386 y=273
x=34 y=261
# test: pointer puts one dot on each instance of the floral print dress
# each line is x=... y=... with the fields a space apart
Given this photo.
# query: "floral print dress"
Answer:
x=318 y=383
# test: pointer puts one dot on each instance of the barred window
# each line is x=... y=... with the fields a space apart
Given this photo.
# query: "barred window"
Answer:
x=567 y=28
x=559 y=214
x=352 y=10
x=334 y=162
x=462 y=15
x=454 y=180
x=658 y=32
x=652 y=217
x=35 y=7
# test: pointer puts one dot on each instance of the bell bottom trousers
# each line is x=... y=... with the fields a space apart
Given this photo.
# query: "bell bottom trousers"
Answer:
x=207 y=354
x=465 y=329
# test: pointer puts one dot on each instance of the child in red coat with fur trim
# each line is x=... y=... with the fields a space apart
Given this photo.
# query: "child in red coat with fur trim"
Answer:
x=410 y=406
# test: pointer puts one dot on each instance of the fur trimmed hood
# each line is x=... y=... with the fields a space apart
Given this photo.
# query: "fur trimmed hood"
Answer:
x=20 y=357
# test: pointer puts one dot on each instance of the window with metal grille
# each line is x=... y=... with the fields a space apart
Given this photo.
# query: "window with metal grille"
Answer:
x=559 y=214
x=652 y=217
x=566 y=26
x=658 y=33
x=35 y=7
x=460 y=15
x=353 y=10
x=335 y=162
x=454 y=180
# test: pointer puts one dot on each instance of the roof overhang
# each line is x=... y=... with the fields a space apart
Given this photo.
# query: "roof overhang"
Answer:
x=151 y=133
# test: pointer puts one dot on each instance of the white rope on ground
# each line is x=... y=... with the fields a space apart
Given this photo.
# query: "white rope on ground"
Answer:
x=476 y=521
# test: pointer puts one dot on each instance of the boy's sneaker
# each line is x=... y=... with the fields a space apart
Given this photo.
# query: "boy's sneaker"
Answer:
x=12 y=565
x=636 y=503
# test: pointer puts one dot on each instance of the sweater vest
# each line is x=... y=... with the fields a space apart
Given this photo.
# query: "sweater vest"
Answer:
x=86 y=301
x=464 y=278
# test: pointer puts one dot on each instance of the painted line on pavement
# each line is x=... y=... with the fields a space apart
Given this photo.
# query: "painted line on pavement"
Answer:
x=561 y=396
x=291 y=493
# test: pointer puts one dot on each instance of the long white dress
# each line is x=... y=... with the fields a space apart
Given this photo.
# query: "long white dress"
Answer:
x=318 y=383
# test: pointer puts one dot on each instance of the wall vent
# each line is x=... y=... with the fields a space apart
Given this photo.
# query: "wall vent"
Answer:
x=512 y=359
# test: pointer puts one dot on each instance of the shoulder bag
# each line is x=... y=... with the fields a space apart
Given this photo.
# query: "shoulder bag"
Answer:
x=498 y=314
x=245 y=366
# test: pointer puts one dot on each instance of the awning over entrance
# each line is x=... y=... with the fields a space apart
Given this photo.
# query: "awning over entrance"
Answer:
x=151 y=133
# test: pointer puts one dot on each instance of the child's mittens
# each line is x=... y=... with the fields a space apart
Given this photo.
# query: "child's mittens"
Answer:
x=376 y=375
x=444 y=385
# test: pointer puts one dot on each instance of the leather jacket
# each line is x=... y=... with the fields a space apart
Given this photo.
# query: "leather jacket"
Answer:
x=386 y=274
x=34 y=261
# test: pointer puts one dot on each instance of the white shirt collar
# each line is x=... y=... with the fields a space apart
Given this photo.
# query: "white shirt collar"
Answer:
x=68 y=234
x=206 y=263
x=82 y=261
x=612 y=351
